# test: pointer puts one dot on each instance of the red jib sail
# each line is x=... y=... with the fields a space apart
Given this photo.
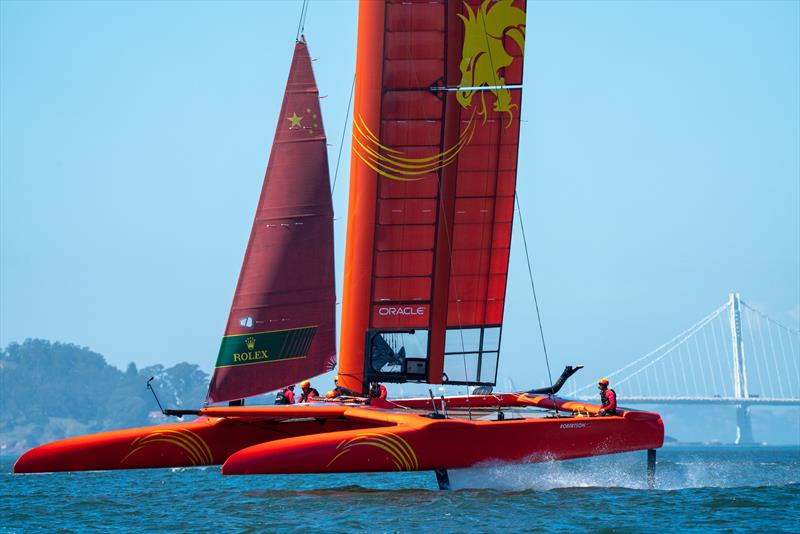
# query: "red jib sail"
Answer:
x=435 y=140
x=282 y=323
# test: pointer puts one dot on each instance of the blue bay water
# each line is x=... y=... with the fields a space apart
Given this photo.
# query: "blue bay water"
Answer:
x=704 y=489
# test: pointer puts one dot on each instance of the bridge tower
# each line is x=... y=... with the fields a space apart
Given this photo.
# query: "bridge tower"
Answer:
x=744 y=429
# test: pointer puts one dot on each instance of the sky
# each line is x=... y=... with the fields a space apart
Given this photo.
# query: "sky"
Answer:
x=659 y=169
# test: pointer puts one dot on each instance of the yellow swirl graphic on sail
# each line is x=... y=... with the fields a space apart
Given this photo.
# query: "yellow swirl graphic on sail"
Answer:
x=398 y=449
x=395 y=164
x=196 y=449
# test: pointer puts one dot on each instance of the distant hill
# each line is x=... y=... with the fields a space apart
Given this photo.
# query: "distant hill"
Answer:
x=50 y=391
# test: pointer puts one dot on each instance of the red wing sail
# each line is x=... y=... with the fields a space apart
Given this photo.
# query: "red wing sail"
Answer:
x=435 y=139
x=282 y=323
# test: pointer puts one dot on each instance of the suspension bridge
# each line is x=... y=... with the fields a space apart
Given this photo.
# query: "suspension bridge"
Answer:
x=736 y=355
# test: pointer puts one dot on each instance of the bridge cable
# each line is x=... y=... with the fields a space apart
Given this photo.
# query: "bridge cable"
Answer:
x=678 y=344
x=683 y=368
x=768 y=318
x=760 y=329
x=783 y=354
x=744 y=368
x=789 y=332
x=728 y=357
x=676 y=339
x=711 y=372
x=772 y=349
x=702 y=371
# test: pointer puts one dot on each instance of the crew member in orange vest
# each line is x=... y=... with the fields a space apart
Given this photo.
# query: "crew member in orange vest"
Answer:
x=308 y=392
x=377 y=391
x=608 y=398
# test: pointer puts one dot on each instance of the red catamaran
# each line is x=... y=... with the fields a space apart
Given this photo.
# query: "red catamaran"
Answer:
x=435 y=142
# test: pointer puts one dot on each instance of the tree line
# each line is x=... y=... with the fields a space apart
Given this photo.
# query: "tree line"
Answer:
x=51 y=390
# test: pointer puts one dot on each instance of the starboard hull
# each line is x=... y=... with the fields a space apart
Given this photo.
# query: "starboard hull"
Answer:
x=450 y=444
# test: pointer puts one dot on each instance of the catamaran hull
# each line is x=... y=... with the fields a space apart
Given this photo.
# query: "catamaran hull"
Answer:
x=450 y=444
x=205 y=441
x=334 y=438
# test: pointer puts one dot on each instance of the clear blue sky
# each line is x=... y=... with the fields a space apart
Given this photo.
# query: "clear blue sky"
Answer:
x=659 y=169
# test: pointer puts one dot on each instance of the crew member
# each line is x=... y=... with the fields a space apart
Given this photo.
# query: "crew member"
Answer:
x=608 y=398
x=336 y=392
x=341 y=391
x=286 y=396
x=308 y=392
x=377 y=391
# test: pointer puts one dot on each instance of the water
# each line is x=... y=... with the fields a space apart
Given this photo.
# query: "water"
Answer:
x=698 y=489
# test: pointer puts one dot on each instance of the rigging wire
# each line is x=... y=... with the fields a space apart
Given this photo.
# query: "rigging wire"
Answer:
x=344 y=131
x=301 y=24
x=533 y=289
x=455 y=290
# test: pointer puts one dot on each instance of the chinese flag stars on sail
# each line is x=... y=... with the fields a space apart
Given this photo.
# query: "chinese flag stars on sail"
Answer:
x=307 y=122
x=295 y=120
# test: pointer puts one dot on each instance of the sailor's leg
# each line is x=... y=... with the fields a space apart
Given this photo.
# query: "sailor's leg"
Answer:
x=443 y=479
x=651 y=468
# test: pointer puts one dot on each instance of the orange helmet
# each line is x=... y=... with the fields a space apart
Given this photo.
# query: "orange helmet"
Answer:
x=305 y=384
x=330 y=395
x=603 y=381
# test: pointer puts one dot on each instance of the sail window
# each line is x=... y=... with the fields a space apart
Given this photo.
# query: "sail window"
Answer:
x=470 y=356
x=400 y=353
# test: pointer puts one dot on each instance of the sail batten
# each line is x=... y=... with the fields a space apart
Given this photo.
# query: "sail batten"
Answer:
x=281 y=326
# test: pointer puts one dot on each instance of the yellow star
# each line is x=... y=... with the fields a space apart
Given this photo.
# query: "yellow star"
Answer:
x=295 y=120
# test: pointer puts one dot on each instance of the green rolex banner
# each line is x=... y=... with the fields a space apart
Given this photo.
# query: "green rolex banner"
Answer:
x=262 y=347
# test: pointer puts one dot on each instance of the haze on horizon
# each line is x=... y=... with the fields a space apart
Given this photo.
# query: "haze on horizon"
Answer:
x=659 y=169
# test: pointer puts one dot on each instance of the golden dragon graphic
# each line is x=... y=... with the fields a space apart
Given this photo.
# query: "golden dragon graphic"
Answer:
x=483 y=56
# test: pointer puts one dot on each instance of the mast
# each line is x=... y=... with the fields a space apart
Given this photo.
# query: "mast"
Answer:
x=435 y=138
x=361 y=207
